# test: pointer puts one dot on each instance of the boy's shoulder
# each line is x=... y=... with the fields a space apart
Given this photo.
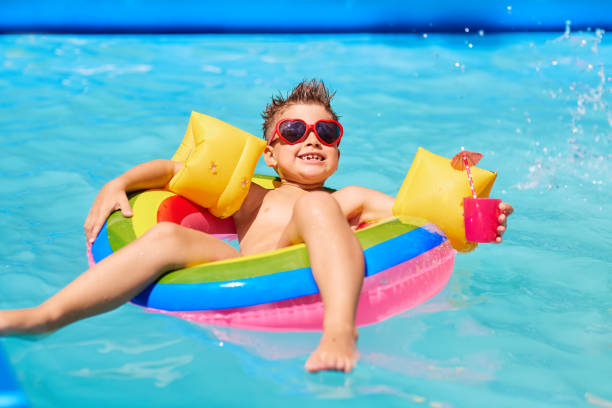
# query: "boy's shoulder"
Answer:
x=354 y=190
x=352 y=196
x=370 y=203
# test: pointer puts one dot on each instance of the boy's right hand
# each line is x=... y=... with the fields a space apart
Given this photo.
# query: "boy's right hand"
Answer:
x=110 y=198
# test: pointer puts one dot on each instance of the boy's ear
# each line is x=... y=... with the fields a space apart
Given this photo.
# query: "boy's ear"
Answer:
x=268 y=155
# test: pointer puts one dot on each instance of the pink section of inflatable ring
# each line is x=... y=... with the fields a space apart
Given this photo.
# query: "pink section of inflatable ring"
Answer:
x=383 y=295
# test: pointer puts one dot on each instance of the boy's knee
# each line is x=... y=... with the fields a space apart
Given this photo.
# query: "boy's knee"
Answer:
x=317 y=204
x=164 y=231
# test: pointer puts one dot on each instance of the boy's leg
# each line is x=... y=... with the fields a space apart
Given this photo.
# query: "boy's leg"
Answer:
x=118 y=278
x=337 y=265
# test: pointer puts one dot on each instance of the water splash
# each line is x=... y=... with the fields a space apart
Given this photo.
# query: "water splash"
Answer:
x=584 y=162
x=568 y=29
x=599 y=33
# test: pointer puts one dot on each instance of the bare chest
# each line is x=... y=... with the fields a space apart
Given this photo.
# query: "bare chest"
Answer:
x=262 y=229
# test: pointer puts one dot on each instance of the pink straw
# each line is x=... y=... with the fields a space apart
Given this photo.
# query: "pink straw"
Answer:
x=469 y=173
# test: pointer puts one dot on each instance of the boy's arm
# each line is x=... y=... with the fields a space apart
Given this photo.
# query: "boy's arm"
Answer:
x=112 y=196
x=361 y=204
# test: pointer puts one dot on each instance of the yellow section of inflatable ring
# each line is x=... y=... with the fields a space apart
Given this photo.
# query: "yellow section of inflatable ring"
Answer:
x=434 y=190
x=145 y=210
x=219 y=160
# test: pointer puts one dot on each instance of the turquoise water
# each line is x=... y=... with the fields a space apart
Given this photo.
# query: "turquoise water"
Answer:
x=527 y=323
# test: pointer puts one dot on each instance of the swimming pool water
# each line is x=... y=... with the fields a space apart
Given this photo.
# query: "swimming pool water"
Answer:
x=527 y=323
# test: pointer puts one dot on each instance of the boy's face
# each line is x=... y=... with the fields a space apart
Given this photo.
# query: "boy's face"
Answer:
x=309 y=162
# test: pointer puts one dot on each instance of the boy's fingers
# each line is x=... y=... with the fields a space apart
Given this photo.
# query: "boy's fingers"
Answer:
x=506 y=208
x=126 y=209
x=88 y=226
x=501 y=229
x=93 y=224
x=93 y=232
x=92 y=236
x=502 y=219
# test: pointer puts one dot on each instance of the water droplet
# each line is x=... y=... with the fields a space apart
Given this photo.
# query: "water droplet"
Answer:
x=554 y=62
x=424 y=35
x=457 y=64
x=481 y=32
x=568 y=25
x=470 y=45
x=509 y=8
x=466 y=29
x=220 y=344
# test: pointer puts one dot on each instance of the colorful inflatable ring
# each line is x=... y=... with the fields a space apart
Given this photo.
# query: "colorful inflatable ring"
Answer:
x=406 y=264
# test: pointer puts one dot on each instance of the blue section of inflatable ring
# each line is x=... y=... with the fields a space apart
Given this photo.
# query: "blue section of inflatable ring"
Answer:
x=101 y=247
x=245 y=16
x=283 y=285
x=10 y=394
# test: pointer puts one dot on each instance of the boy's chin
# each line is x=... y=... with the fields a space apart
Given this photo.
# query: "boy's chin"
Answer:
x=310 y=177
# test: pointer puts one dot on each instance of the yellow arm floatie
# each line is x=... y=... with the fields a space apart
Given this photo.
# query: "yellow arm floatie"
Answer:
x=434 y=190
x=219 y=163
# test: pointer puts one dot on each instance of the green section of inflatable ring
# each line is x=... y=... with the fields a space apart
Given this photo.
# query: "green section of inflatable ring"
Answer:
x=120 y=233
x=120 y=229
x=284 y=259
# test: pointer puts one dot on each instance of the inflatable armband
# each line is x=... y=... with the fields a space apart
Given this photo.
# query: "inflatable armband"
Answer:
x=434 y=190
x=219 y=163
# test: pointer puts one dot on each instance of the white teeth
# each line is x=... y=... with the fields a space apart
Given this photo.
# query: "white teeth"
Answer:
x=311 y=157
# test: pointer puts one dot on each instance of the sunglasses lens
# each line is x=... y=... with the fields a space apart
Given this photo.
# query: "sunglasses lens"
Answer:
x=329 y=132
x=292 y=130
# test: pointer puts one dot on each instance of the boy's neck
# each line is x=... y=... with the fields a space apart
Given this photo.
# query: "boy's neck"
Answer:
x=286 y=184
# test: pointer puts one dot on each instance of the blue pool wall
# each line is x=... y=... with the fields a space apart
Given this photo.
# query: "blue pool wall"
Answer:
x=246 y=16
x=10 y=394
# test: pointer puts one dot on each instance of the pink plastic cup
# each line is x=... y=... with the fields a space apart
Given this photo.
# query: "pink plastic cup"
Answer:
x=481 y=218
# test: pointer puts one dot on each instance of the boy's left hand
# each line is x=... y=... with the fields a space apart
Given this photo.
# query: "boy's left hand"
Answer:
x=506 y=210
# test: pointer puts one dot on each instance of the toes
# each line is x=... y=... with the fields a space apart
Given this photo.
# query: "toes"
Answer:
x=315 y=363
x=320 y=362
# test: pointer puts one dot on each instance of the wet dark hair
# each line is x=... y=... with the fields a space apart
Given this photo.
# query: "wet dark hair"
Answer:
x=306 y=92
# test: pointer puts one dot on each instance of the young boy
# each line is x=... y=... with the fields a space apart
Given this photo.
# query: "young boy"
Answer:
x=303 y=137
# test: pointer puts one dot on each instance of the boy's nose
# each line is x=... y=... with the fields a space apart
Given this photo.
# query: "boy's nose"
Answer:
x=311 y=138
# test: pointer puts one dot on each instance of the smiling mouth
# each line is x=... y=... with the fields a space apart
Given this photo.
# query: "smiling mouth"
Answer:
x=311 y=157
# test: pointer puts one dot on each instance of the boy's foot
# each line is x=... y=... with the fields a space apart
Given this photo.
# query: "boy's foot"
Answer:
x=337 y=351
